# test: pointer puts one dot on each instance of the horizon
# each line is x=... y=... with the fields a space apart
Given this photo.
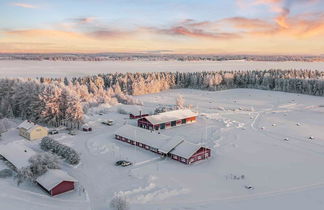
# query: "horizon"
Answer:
x=180 y=27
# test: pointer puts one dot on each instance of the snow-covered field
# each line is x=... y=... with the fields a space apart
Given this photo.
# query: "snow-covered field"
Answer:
x=258 y=139
x=18 y=68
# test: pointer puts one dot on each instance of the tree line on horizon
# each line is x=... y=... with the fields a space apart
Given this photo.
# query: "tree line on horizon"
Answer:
x=57 y=101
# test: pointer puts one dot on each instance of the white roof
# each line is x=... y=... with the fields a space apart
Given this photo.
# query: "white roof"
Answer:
x=186 y=149
x=171 y=116
x=28 y=125
x=53 y=177
x=171 y=144
x=162 y=142
x=17 y=153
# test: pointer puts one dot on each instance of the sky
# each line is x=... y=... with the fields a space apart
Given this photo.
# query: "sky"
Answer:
x=163 y=26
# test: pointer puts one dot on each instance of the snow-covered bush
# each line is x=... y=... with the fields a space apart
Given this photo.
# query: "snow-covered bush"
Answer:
x=4 y=173
x=69 y=154
x=120 y=110
x=119 y=202
x=39 y=164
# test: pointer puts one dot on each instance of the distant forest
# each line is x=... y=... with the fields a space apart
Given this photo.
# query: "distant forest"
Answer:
x=55 y=101
x=157 y=57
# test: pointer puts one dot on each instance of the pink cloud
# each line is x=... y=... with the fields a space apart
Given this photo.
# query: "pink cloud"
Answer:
x=24 y=5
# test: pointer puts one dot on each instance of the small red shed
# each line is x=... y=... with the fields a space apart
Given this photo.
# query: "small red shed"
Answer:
x=137 y=116
x=56 y=182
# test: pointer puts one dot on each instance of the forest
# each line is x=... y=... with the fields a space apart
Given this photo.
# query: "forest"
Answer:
x=57 y=101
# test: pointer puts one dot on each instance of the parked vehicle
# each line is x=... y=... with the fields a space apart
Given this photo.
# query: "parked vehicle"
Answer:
x=86 y=128
x=108 y=122
x=72 y=132
x=52 y=132
x=123 y=163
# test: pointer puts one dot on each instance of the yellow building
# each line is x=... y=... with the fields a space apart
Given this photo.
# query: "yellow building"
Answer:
x=32 y=131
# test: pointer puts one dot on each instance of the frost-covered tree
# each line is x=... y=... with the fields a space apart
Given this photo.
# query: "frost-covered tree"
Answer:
x=119 y=202
x=180 y=102
x=39 y=165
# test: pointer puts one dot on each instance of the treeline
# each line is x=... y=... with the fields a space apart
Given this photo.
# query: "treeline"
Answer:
x=54 y=101
x=156 y=57
x=64 y=101
x=294 y=81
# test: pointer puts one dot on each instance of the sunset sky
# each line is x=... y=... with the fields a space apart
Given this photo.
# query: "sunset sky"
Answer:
x=163 y=26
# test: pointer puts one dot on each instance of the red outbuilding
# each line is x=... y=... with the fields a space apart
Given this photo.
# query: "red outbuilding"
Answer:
x=174 y=147
x=140 y=115
x=168 y=119
x=56 y=182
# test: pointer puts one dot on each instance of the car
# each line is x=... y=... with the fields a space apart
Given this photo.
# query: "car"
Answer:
x=52 y=132
x=72 y=132
x=123 y=163
x=87 y=128
x=108 y=122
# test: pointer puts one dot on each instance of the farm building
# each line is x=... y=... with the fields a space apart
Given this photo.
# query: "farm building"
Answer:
x=32 y=131
x=174 y=147
x=168 y=119
x=56 y=182
x=137 y=116
x=17 y=154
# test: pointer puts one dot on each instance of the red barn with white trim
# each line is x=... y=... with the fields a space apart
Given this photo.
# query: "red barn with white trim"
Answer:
x=174 y=147
x=56 y=182
x=168 y=119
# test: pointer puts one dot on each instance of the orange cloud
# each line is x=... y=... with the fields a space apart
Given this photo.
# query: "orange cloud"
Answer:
x=24 y=5
x=43 y=33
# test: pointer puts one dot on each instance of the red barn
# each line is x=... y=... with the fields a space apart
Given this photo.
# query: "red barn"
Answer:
x=56 y=182
x=168 y=119
x=188 y=153
x=174 y=147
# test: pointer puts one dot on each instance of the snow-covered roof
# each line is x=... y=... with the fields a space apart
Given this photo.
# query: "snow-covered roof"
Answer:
x=171 y=144
x=171 y=116
x=162 y=142
x=186 y=149
x=53 y=177
x=28 y=125
x=17 y=153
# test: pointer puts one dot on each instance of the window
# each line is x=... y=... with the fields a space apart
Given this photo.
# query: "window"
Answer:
x=140 y=144
x=206 y=155
x=183 y=160
x=175 y=157
x=199 y=157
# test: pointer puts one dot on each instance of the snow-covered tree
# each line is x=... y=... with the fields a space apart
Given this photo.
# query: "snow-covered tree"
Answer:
x=119 y=202
x=180 y=102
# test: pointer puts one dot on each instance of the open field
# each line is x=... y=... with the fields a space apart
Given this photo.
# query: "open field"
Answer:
x=18 y=68
x=261 y=135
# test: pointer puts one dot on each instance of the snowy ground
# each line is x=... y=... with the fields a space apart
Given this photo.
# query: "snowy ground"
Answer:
x=19 y=68
x=246 y=130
